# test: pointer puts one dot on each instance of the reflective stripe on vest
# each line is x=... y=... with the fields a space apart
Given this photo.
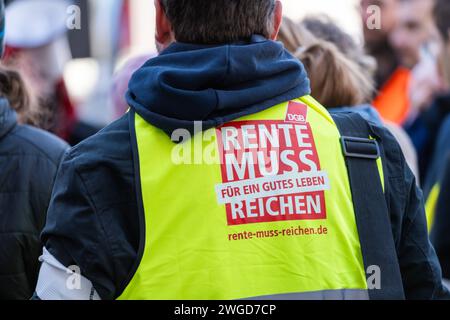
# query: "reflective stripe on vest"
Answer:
x=275 y=219
x=430 y=206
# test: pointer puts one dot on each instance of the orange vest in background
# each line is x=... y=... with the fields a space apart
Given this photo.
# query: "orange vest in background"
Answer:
x=393 y=101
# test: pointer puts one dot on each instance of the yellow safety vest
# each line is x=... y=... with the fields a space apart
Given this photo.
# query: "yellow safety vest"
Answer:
x=271 y=216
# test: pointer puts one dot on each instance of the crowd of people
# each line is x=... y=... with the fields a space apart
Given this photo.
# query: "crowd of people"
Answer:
x=371 y=124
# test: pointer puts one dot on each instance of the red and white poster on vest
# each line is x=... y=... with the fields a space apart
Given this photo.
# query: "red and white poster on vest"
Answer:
x=271 y=170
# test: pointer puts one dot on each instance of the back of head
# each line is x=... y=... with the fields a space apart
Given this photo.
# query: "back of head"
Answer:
x=326 y=29
x=13 y=89
x=219 y=21
x=336 y=81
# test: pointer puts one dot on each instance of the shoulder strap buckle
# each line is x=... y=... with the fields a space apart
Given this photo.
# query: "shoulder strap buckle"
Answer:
x=360 y=148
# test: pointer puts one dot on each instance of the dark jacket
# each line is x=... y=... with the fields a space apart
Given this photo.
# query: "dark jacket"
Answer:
x=441 y=226
x=439 y=173
x=424 y=132
x=439 y=157
x=94 y=221
x=29 y=159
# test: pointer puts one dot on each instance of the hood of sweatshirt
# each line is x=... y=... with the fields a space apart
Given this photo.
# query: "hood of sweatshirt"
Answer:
x=215 y=84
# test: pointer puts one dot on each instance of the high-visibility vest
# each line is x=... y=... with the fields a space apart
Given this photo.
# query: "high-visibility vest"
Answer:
x=260 y=207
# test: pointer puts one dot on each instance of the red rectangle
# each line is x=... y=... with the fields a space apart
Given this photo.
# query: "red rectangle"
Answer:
x=255 y=149
x=296 y=112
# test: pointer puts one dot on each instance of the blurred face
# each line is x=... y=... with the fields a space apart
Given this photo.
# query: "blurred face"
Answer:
x=388 y=15
x=415 y=27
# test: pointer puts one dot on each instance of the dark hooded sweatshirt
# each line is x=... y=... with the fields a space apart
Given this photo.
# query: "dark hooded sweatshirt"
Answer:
x=93 y=219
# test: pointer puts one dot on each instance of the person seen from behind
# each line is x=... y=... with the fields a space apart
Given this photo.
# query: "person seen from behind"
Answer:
x=262 y=210
x=29 y=159
x=437 y=185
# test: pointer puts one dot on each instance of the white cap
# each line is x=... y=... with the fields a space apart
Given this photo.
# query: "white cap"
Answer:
x=35 y=23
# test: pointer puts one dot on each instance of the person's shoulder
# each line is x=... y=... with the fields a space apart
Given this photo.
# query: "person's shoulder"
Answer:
x=375 y=128
x=31 y=140
x=110 y=145
x=391 y=147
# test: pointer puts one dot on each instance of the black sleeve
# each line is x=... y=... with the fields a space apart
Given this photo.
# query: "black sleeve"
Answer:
x=74 y=233
x=93 y=219
x=419 y=266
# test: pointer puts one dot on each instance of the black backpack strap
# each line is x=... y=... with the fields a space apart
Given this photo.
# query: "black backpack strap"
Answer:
x=369 y=201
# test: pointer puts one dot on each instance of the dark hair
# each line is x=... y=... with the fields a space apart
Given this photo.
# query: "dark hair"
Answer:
x=219 y=21
x=323 y=27
x=14 y=89
x=442 y=17
x=337 y=79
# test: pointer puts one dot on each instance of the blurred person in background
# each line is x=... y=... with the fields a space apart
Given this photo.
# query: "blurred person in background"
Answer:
x=417 y=41
x=439 y=218
x=414 y=31
x=437 y=192
x=379 y=18
x=120 y=82
x=437 y=185
x=38 y=47
x=376 y=37
x=29 y=159
x=401 y=47
x=323 y=27
x=141 y=225
x=341 y=74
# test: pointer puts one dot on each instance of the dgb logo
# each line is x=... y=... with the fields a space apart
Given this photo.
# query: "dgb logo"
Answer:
x=296 y=112
x=296 y=118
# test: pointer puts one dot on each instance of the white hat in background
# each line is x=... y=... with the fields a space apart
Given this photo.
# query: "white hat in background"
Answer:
x=35 y=23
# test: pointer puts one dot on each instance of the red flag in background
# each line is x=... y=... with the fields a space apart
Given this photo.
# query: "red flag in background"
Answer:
x=125 y=28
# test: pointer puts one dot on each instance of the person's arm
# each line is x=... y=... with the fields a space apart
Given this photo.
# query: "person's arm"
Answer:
x=74 y=237
x=56 y=282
